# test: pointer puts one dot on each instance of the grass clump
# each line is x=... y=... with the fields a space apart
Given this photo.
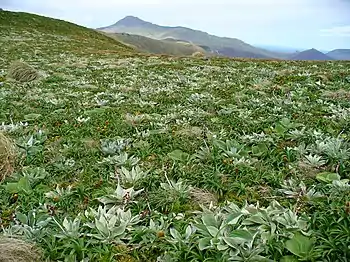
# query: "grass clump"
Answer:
x=16 y=250
x=7 y=157
x=198 y=54
x=22 y=72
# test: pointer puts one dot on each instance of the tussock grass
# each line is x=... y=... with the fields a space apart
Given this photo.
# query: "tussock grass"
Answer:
x=198 y=54
x=337 y=95
x=22 y=72
x=7 y=157
x=203 y=197
x=17 y=250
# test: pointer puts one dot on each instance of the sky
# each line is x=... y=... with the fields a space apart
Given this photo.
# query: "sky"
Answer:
x=300 y=24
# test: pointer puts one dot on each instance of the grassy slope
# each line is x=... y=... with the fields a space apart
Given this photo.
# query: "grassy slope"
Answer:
x=154 y=46
x=25 y=35
x=194 y=36
x=165 y=104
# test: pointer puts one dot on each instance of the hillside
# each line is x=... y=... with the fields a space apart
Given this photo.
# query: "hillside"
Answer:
x=339 y=54
x=112 y=155
x=153 y=46
x=24 y=35
x=311 y=54
x=220 y=45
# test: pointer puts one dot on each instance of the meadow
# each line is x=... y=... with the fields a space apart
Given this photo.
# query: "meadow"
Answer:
x=122 y=156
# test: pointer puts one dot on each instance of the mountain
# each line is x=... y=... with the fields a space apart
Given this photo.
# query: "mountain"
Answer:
x=153 y=46
x=340 y=54
x=311 y=54
x=220 y=45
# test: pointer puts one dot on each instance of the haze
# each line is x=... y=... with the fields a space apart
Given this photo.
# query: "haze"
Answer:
x=300 y=24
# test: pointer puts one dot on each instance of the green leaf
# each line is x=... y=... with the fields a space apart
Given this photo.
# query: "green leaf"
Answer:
x=188 y=232
x=118 y=231
x=204 y=243
x=231 y=241
x=209 y=220
x=175 y=234
x=233 y=218
x=221 y=247
x=213 y=231
x=30 y=117
x=241 y=236
x=289 y=259
x=300 y=245
x=22 y=218
x=101 y=225
x=178 y=155
x=280 y=129
x=327 y=177
x=23 y=184
x=12 y=188
x=259 y=149
x=255 y=219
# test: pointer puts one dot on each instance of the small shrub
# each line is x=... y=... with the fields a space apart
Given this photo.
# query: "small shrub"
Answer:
x=16 y=250
x=7 y=157
x=22 y=72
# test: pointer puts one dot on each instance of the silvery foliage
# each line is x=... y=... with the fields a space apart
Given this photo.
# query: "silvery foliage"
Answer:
x=110 y=224
x=32 y=225
x=122 y=159
x=131 y=176
x=293 y=189
x=242 y=233
x=113 y=147
x=120 y=197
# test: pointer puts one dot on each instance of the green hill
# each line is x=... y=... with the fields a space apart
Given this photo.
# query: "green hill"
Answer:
x=24 y=35
x=149 y=45
x=231 y=46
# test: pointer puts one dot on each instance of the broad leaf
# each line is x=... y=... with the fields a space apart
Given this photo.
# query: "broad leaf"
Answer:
x=327 y=177
x=118 y=231
x=175 y=234
x=178 y=155
x=188 y=232
x=22 y=218
x=233 y=218
x=204 y=243
x=241 y=236
x=23 y=184
x=300 y=245
x=213 y=231
x=289 y=259
x=209 y=220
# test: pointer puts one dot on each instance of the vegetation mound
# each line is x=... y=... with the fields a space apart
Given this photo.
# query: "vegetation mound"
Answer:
x=16 y=250
x=7 y=157
x=22 y=72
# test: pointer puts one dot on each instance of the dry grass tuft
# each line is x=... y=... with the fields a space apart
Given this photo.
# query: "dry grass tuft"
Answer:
x=198 y=54
x=340 y=94
x=22 y=72
x=7 y=157
x=203 y=197
x=16 y=250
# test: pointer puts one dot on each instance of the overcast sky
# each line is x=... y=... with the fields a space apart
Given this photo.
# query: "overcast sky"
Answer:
x=321 y=24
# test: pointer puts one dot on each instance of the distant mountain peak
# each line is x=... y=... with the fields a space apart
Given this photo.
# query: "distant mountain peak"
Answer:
x=311 y=54
x=131 y=21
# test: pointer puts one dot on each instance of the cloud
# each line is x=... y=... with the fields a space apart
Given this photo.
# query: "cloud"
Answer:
x=337 y=31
